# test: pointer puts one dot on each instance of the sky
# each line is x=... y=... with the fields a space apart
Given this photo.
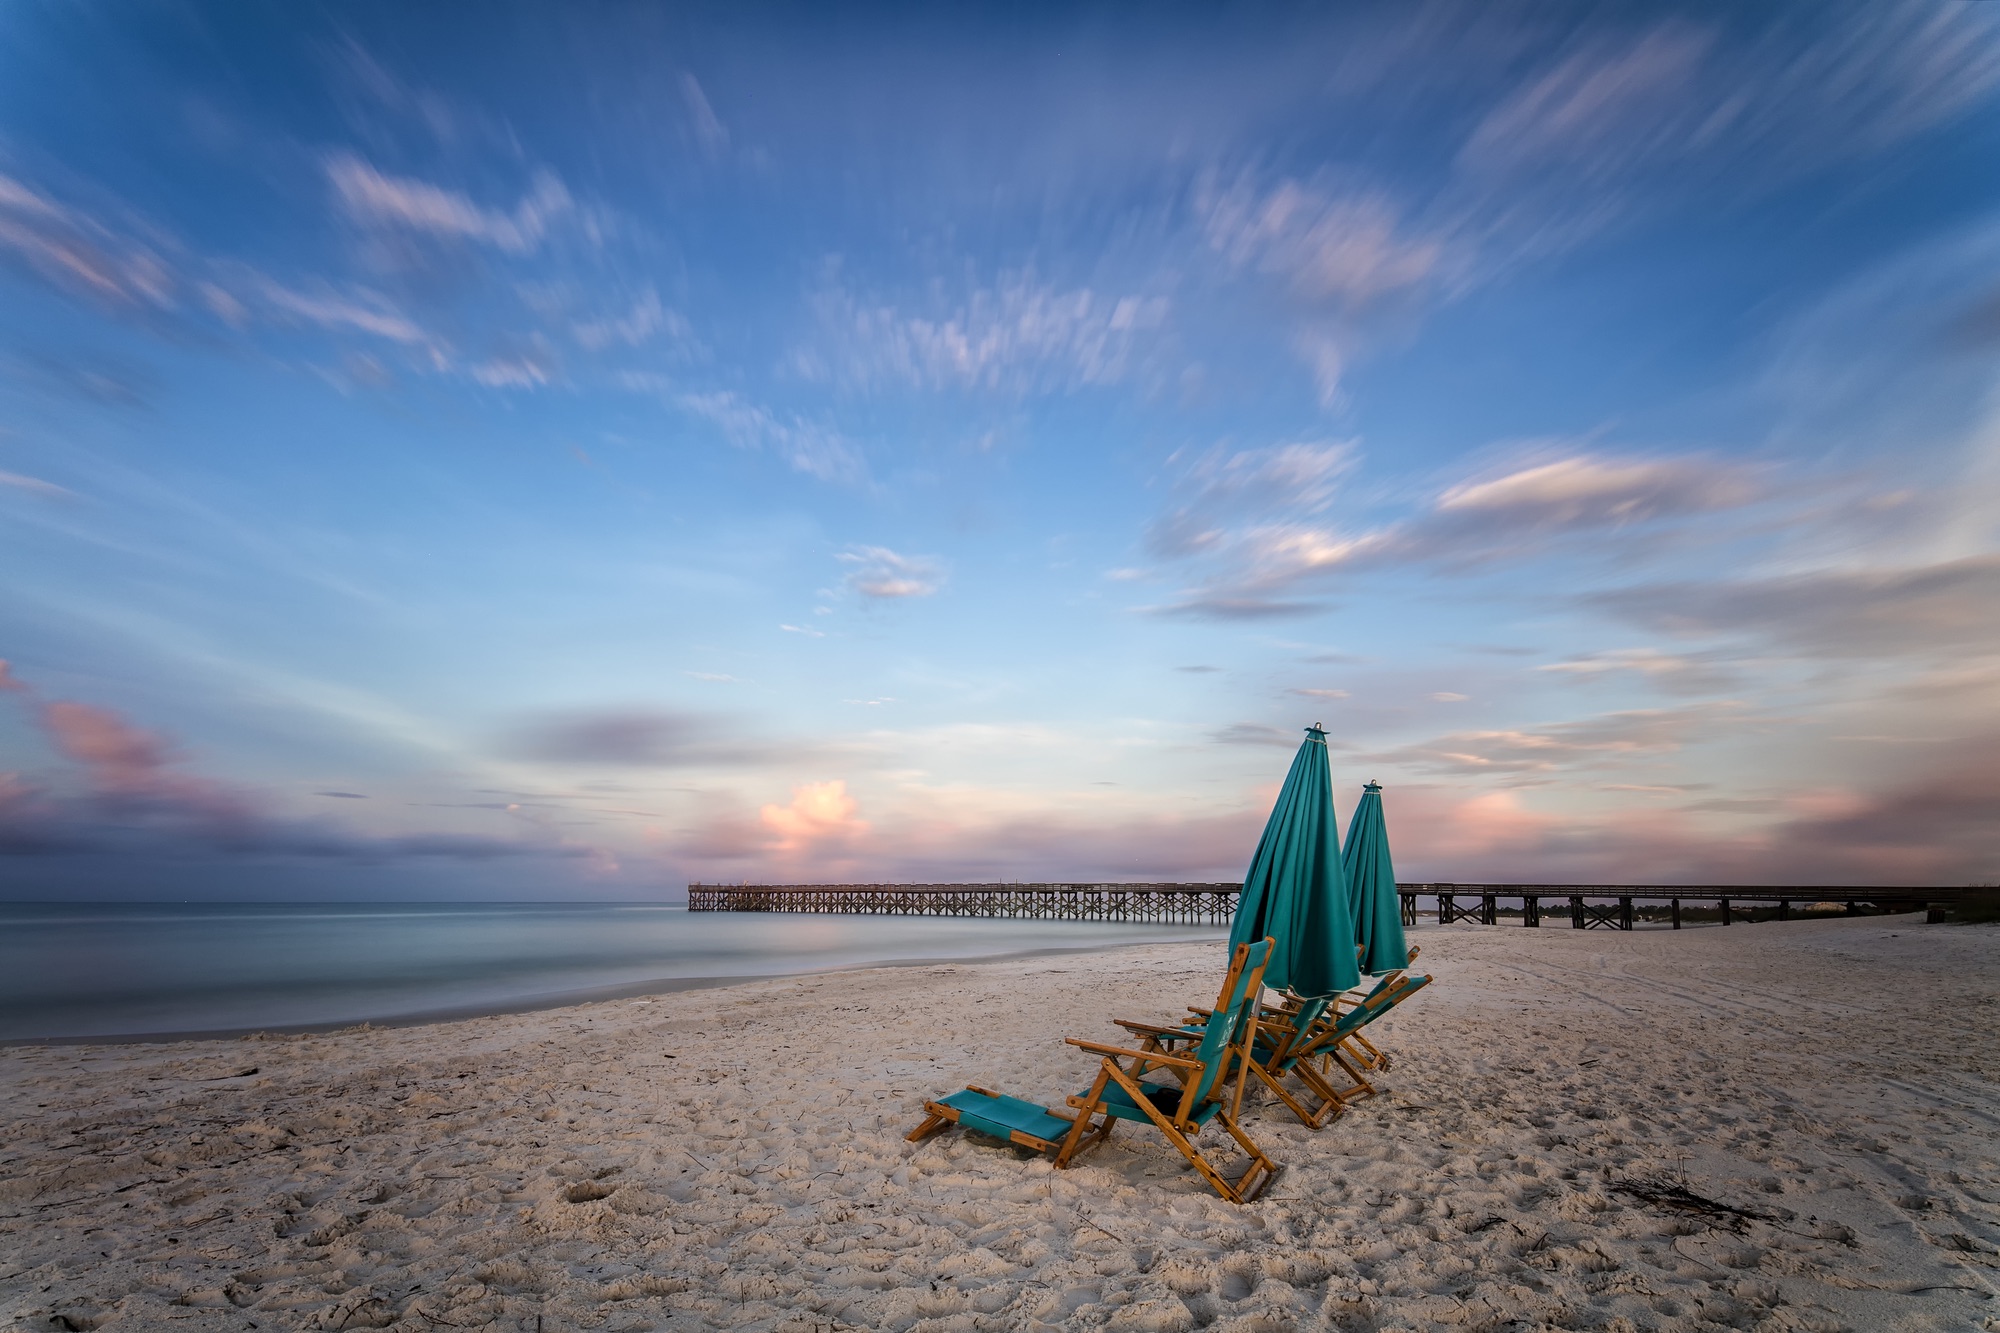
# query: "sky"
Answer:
x=569 y=451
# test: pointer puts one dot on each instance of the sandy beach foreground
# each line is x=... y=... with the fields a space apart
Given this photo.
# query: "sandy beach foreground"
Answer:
x=734 y=1158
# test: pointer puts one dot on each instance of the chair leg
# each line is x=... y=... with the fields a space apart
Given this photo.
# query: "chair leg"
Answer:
x=1312 y=1119
x=1360 y=1086
x=1374 y=1057
x=932 y=1124
x=1319 y=1082
x=1236 y=1191
x=1262 y=1171
x=1081 y=1135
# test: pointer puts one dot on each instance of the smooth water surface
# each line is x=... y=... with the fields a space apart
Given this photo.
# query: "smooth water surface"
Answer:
x=104 y=969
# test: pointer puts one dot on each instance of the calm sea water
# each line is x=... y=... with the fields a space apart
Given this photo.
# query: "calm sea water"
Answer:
x=108 y=969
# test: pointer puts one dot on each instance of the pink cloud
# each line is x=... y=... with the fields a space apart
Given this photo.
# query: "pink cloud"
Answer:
x=131 y=766
x=8 y=680
x=819 y=812
x=119 y=756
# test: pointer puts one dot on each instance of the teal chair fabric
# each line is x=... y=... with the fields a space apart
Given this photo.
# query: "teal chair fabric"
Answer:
x=1000 y=1115
x=1212 y=1040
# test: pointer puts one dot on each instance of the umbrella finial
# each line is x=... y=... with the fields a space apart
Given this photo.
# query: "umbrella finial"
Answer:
x=1371 y=785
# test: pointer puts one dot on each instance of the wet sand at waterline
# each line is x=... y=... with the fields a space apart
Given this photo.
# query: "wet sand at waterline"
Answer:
x=1824 y=1095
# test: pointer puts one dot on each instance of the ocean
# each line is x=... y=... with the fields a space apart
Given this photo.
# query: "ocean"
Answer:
x=158 y=969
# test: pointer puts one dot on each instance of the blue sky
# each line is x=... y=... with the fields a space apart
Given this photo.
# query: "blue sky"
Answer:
x=570 y=451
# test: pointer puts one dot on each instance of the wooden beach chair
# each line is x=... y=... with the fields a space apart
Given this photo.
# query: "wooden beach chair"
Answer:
x=1307 y=1044
x=1206 y=1085
x=1286 y=1014
x=1364 y=1050
x=1334 y=1045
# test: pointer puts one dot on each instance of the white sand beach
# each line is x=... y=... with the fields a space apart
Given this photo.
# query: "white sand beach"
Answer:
x=734 y=1158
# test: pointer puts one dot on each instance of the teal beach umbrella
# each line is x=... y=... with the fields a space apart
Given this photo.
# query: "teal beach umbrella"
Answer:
x=1371 y=887
x=1295 y=891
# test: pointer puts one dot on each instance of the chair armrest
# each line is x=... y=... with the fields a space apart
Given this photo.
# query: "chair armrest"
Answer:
x=1153 y=1029
x=1154 y=1057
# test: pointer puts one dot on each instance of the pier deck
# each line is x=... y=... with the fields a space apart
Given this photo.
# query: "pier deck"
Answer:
x=1613 y=906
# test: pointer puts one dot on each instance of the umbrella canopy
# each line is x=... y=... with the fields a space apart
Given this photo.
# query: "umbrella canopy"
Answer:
x=1371 y=887
x=1295 y=891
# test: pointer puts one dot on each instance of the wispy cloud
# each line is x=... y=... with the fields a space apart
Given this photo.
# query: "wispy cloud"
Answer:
x=1223 y=486
x=1017 y=335
x=532 y=366
x=1677 y=673
x=709 y=130
x=645 y=318
x=1610 y=100
x=1588 y=491
x=1801 y=90
x=357 y=309
x=806 y=445
x=48 y=490
x=380 y=200
x=80 y=254
x=883 y=574
x=1268 y=562
x=1325 y=244
x=1253 y=733
x=1610 y=739
x=1930 y=610
x=639 y=738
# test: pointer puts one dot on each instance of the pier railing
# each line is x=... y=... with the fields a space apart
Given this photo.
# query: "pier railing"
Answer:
x=1211 y=904
x=1615 y=906
x=1619 y=906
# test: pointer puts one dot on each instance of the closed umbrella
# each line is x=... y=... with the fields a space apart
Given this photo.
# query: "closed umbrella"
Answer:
x=1295 y=892
x=1371 y=887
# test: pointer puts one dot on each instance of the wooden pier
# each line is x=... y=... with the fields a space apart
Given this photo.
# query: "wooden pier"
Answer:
x=1186 y=904
x=1588 y=906
x=1616 y=906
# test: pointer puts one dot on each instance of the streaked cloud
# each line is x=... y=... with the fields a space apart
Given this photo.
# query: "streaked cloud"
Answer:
x=1911 y=612
x=78 y=253
x=1678 y=673
x=1253 y=733
x=709 y=130
x=639 y=738
x=645 y=318
x=357 y=309
x=1325 y=245
x=808 y=446
x=1269 y=562
x=1017 y=335
x=48 y=490
x=375 y=199
x=880 y=573
x=1586 y=491
x=1608 y=739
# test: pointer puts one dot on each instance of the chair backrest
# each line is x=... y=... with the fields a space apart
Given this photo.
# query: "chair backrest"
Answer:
x=1378 y=1002
x=1284 y=1051
x=1235 y=1010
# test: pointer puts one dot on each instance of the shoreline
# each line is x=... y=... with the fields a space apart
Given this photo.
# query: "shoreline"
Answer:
x=544 y=1002
x=733 y=1158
